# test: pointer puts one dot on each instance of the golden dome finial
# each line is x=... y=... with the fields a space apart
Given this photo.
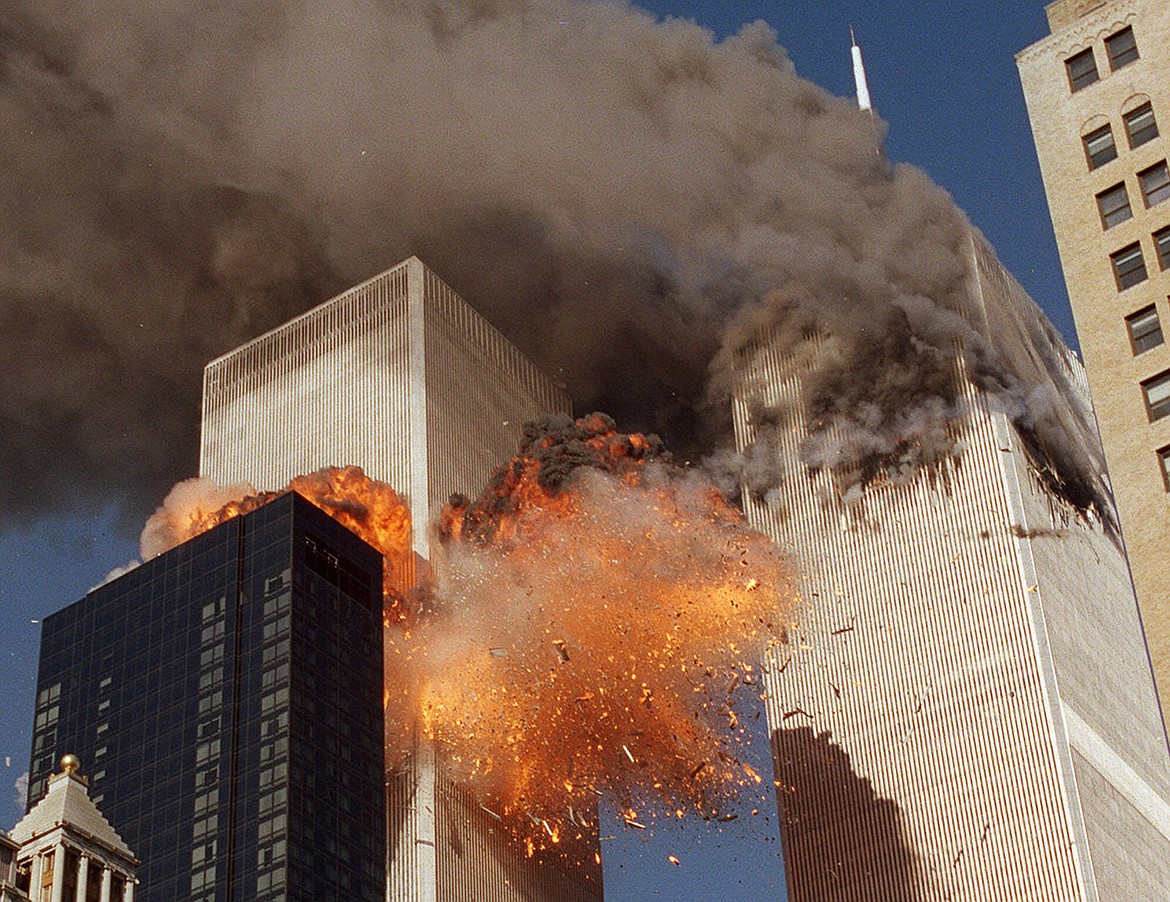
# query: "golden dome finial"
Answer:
x=70 y=764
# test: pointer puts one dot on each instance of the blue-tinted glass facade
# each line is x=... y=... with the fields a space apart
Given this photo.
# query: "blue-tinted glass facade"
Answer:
x=225 y=699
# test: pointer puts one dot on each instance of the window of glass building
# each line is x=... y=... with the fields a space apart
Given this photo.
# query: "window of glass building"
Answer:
x=1155 y=183
x=1157 y=395
x=1099 y=146
x=1162 y=243
x=1082 y=69
x=1122 y=48
x=1145 y=330
x=1164 y=463
x=1113 y=205
x=1129 y=266
x=1140 y=125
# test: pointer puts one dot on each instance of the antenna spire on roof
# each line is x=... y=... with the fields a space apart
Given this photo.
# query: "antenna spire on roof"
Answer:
x=859 y=79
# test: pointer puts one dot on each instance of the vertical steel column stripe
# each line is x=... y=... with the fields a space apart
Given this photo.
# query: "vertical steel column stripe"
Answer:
x=922 y=526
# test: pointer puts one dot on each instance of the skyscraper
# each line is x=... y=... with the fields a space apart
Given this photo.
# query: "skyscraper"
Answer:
x=1098 y=93
x=966 y=708
x=400 y=376
x=228 y=696
x=397 y=375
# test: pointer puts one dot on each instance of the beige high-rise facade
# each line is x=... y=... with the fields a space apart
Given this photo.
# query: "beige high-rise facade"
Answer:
x=400 y=376
x=965 y=709
x=397 y=375
x=1098 y=94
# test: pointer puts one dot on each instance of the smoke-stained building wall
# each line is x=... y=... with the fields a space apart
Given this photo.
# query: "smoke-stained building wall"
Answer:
x=966 y=707
x=228 y=696
x=398 y=375
x=1098 y=93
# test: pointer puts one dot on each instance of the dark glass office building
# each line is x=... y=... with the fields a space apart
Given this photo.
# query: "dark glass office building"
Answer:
x=226 y=700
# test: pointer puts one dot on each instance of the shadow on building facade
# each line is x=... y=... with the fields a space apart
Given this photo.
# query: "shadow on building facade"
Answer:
x=841 y=840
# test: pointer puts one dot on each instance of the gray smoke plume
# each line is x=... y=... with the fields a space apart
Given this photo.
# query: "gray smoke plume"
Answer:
x=617 y=194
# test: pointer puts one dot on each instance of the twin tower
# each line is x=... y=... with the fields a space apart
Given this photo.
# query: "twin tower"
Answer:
x=965 y=710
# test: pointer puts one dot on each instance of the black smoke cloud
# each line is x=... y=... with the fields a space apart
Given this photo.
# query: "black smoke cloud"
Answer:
x=620 y=196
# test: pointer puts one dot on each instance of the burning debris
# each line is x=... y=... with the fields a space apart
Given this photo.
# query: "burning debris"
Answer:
x=369 y=508
x=656 y=598
x=589 y=624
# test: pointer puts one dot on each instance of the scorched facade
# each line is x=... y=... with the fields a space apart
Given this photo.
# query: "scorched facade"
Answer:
x=966 y=708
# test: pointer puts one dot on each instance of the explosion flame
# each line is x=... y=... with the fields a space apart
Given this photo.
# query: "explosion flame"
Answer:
x=370 y=509
x=600 y=615
x=590 y=625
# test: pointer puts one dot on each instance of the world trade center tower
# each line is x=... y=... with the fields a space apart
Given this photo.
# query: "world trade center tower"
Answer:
x=966 y=709
x=400 y=376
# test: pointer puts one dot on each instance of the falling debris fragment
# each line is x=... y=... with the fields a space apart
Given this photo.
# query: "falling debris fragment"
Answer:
x=644 y=581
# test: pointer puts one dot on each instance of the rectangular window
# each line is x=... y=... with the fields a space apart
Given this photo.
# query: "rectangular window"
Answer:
x=1145 y=330
x=1113 y=205
x=1099 y=146
x=1164 y=463
x=1140 y=125
x=1121 y=48
x=1082 y=69
x=51 y=694
x=1155 y=183
x=1129 y=266
x=1157 y=394
x=1162 y=243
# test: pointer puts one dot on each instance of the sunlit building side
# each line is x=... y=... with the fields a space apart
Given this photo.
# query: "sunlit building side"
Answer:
x=398 y=375
x=64 y=850
x=1098 y=95
x=965 y=708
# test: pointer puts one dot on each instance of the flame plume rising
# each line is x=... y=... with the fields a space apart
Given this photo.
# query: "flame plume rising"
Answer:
x=599 y=613
x=590 y=624
x=371 y=509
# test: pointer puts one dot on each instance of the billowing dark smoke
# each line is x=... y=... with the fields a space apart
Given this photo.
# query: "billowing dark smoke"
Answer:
x=613 y=192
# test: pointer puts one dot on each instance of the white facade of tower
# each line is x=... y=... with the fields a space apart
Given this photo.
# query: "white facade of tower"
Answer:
x=397 y=375
x=400 y=376
x=966 y=708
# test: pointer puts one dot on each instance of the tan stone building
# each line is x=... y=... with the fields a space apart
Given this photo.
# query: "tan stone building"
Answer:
x=1098 y=94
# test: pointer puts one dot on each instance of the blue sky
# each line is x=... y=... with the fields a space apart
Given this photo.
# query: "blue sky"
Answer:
x=943 y=76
